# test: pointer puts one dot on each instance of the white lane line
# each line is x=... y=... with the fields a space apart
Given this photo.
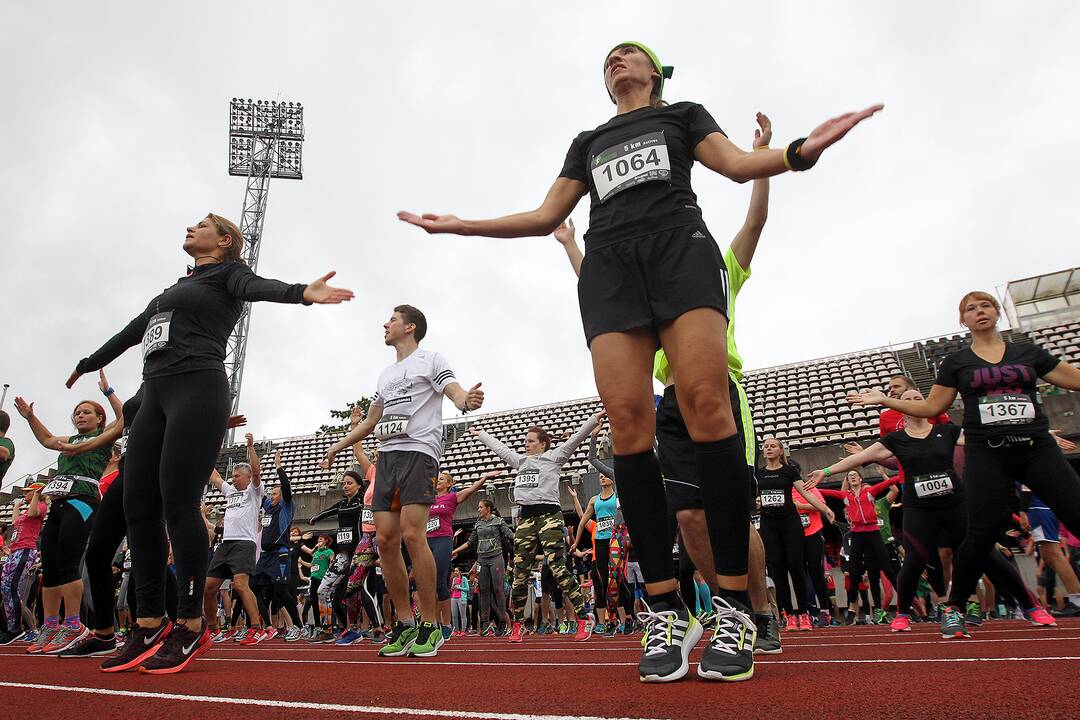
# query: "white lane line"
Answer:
x=267 y=702
x=884 y=661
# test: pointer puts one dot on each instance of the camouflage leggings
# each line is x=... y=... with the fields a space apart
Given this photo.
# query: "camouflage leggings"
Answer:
x=544 y=533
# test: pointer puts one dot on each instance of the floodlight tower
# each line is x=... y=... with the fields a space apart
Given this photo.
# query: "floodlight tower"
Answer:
x=265 y=141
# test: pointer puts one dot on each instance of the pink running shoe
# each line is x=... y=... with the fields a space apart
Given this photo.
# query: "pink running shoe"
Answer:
x=1041 y=618
x=792 y=623
x=805 y=624
x=515 y=634
x=900 y=624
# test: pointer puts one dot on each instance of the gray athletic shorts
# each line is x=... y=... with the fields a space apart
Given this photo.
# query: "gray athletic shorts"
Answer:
x=233 y=557
x=404 y=477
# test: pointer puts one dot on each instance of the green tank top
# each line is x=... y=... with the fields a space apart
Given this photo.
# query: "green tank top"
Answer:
x=88 y=464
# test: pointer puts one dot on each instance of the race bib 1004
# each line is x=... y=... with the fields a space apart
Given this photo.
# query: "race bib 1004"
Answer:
x=639 y=160
x=392 y=426
x=933 y=485
x=605 y=525
x=344 y=536
x=1006 y=410
x=433 y=524
x=156 y=335
x=772 y=498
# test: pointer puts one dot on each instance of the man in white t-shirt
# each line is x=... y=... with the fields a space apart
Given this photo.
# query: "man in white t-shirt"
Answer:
x=406 y=417
x=235 y=557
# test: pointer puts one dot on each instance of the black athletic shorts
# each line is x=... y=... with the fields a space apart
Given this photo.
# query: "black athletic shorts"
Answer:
x=272 y=568
x=676 y=450
x=405 y=477
x=649 y=280
x=232 y=557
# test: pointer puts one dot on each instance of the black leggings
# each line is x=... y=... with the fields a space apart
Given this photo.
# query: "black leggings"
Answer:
x=600 y=571
x=879 y=562
x=63 y=541
x=783 y=537
x=989 y=477
x=110 y=527
x=172 y=448
x=371 y=594
x=814 y=559
x=924 y=528
x=312 y=603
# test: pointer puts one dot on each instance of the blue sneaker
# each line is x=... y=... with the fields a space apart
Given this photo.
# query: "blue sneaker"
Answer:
x=447 y=631
x=348 y=637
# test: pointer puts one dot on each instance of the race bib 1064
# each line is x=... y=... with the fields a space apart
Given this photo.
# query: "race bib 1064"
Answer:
x=641 y=159
x=156 y=335
x=933 y=485
x=1006 y=410
x=392 y=426
x=772 y=498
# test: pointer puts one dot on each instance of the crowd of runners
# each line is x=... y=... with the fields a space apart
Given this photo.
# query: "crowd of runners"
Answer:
x=700 y=528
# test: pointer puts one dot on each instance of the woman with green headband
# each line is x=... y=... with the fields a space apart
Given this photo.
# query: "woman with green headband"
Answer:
x=648 y=280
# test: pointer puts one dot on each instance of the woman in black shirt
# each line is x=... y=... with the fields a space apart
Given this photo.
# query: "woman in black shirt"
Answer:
x=1006 y=433
x=648 y=279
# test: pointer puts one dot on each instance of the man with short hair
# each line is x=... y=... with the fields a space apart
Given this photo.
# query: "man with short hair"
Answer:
x=7 y=448
x=406 y=417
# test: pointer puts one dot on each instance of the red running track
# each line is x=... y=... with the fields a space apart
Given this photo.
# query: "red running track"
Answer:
x=1008 y=669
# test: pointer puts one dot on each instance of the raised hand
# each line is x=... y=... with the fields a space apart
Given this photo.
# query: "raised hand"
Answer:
x=866 y=397
x=490 y=475
x=565 y=232
x=250 y=439
x=356 y=415
x=25 y=409
x=572 y=491
x=235 y=421
x=763 y=135
x=434 y=224
x=328 y=460
x=320 y=293
x=277 y=459
x=832 y=130
x=475 y=399
x=103 y=383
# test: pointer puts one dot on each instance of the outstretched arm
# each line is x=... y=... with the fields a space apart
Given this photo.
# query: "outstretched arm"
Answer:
x=1065 y=376
x=114 y=347
x=873 y=454
x=46 y=438
x=463 y=495
x=746 y=240
x=253 y=460
x=498 y=447
x=584 y=521
x=354 y=436
x=937 y=402
x=564 y=451
x=601 y=467
x=560 y=201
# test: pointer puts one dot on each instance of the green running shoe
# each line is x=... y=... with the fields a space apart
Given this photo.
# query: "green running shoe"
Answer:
x=881 y=617
x=428 y=640
x=399 y=641
x=973 y=614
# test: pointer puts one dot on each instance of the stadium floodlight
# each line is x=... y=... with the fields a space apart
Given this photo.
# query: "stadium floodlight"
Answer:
x=266 y=140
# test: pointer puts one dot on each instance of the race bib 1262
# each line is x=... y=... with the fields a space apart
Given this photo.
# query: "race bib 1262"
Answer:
x=772 y=498
x=630 y=163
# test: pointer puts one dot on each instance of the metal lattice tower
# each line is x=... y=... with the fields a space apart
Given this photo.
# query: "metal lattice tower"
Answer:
x=265 y=141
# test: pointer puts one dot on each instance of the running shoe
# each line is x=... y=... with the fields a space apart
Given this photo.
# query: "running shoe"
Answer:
x=564 y=628
x=30 y=636
x=378 y=636
x=515 y=634
x=805 y=623
x=93 y=645
x=399 y=641
x=65 y=638
x=489 y=631
x=347 y=638
x=584 y=629
x=1039 y=616
x=447 y=631
x=240 y=635
x=218 y=638
x=973 y=614
x=850 y=618
x=43 y=638
x=824 y=618
x=231 y=634
x=7 y=638
x=952 y=624
x=270 y=633
x=179 y=649
x=792 y=623
x=253 y=636
x=670 y=635
x=729 y=656
x=881 y=617
x=1070 y=610
x=325 y=637
x=429 y=639
x=900 y=623
x=608 y=630
x=767 y=641
x=141 y=644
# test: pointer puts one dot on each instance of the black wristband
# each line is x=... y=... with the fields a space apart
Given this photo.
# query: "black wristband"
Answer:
x=795 y=161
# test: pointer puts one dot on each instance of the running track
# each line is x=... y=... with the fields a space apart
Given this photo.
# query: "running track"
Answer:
x=1008 y=669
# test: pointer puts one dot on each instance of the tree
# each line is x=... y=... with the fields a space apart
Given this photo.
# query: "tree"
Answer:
x=345 y=415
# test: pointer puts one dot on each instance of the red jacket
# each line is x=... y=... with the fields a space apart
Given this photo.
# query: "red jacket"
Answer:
x=860 y=510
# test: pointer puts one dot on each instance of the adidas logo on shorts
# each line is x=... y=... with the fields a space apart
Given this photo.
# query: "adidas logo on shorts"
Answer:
x=698 y=234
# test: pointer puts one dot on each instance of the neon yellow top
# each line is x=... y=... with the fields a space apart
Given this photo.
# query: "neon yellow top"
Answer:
x=736 y=277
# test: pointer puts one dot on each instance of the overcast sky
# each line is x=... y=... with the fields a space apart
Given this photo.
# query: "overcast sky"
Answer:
x=114 y=139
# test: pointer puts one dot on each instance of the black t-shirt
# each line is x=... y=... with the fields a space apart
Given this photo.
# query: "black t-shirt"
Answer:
x=348 y=511
x=637 y=168
x=1000 y=398
x=774 y=487
x=186 y=327
x=929 y=478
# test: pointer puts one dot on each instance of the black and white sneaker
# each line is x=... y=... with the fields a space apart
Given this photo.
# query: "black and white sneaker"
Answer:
x=670 y=635
x=93 y=645
x=729 y=656
x=767 y=641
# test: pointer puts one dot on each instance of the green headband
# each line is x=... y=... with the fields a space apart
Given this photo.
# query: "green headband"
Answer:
x=665 y=71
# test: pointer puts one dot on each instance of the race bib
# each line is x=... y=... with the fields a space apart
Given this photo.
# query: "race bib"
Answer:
x=934 y=485
x=156 y=335
x=772 y=499
x=367 y=517
x=127 y=564
x=433 y=524
x=756 y=519
x=59 y=487
x=880 y=522
x=345 y=536
x=639 y=160
x=378 y=569
x=267 y=520
x=805 y=520
x=234 y=501
x=392 y=426
x=1006 y=410
x=528 y=479
x=605 y=524
x=675 y=549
